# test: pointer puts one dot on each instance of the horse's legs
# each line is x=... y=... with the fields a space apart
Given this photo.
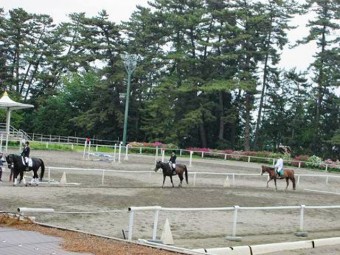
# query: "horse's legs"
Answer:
x=172 y=181
x=275 y=183
x=15 y=178
x=11 y=175
x=287 y=180
x=180 y=175
x=163 y=180
x=268 y=182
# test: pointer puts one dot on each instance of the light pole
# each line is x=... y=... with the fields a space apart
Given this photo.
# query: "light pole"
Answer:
x=130 y=62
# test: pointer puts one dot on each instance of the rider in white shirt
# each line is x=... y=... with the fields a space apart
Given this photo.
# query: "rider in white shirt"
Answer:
x=279 y=166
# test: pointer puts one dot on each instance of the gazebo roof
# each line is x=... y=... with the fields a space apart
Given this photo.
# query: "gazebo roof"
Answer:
x=9 y=104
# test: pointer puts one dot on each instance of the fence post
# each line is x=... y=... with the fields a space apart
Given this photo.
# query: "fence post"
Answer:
x=301 y=232
x=195 y=179
x=103 y=176
x=114 y=152
x=119 y=152
x=155 y=223
x=49 y=175
x=190 y=160
x=163 y=154
x=156 y=155
x=126 y=152
x=233 y=237
x=248 y=159
x=131 y=212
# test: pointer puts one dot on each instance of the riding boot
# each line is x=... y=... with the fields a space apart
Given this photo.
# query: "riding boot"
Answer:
x=174 y=171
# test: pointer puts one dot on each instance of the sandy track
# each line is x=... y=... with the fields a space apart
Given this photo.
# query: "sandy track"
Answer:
x=205 y=229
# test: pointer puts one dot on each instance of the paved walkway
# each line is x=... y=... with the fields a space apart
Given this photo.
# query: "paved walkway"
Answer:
x=20 y=242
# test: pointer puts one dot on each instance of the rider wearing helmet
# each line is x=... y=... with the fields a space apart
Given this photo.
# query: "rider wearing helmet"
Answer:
x=279 y=167
x=26 y=153
x=172 y=162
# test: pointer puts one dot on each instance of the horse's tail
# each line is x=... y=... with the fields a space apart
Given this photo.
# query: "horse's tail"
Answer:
x=42 y=170
x=186 y=174
x=293 y=180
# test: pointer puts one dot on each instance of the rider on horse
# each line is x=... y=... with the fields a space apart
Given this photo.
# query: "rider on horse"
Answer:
x=279 y=167
x=26 y=153
x=172 y=162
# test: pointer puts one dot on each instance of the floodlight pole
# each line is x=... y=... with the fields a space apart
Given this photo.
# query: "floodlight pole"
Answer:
x=130 y=62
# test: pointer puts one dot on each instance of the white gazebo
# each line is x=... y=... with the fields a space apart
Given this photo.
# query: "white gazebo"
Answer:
x=10 y=105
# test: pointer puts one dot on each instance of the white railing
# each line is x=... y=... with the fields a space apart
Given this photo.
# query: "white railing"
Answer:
x=235 y=209
x=225 y=156
x=195 y=174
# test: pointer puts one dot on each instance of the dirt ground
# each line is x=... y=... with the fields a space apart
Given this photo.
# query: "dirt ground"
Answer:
x=97 y=201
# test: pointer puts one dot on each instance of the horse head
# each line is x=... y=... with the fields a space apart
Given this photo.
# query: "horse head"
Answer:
x=10 y=160
x=263 y=170
x=158 y=165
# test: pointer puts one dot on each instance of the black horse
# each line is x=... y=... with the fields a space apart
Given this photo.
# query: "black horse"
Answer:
x=16 y=163
x=167 y=171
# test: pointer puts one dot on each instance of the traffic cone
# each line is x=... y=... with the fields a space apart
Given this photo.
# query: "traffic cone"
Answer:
x=226 y=182
x=63 y=180
x=166 y=236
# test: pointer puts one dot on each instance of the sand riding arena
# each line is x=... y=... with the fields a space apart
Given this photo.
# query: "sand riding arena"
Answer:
x=96 y=193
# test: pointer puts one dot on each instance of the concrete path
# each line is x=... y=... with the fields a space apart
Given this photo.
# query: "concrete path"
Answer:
x=19 y=242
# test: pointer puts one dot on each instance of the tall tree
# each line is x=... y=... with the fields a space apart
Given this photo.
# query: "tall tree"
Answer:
x=323 y=31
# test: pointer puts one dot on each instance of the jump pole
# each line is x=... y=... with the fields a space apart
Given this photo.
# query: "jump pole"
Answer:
x=119 y=152
x=87 y=144
x=114 y=152
x=126 y=152
x=163 y=154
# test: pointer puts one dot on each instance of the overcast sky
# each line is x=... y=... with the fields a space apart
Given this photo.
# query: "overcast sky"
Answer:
x=119 y=10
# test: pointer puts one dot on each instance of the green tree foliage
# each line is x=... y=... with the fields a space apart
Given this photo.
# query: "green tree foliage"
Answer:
x=207 y=75
x=326 y=64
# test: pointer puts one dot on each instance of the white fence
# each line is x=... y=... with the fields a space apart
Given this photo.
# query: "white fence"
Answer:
x=232 y=176
x=235 y=209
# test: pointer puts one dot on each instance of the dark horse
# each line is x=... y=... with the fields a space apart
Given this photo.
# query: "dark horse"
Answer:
x=288 y=174
x=167 y=171
x=15 y=163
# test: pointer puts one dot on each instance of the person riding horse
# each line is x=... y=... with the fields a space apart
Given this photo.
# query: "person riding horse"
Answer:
x=279 y=167
x=172 y=162
x=26 y=153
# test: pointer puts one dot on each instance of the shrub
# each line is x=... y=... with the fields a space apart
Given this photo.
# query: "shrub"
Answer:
x=314 y=161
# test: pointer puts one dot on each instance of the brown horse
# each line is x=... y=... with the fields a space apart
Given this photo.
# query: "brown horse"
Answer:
x=167 y=171
x=288 y=174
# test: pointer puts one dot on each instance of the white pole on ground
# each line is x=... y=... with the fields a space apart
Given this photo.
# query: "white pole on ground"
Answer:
x=155 y=223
